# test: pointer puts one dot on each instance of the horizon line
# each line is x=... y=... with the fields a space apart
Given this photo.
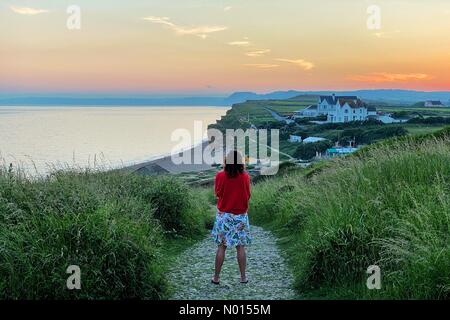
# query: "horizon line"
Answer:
x=180 y=95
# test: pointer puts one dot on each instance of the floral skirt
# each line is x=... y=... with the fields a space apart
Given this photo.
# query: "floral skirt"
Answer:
x=231 y=230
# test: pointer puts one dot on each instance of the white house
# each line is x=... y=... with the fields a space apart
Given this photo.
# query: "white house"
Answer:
x=343 y=108
x=338 y=109
x=387 y=118
x=431 y=104
x=293 y=138
x=313 y=139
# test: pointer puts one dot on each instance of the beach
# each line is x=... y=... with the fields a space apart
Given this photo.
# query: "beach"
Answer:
x=165 y=165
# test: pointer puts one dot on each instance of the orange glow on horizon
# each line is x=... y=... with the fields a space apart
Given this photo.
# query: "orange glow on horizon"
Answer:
x=218 y=48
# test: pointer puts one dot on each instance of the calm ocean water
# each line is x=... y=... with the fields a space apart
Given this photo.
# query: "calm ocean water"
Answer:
x=39 y=138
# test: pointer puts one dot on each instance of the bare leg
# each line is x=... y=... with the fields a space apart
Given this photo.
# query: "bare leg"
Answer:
x=242 y=261
x=220 y=257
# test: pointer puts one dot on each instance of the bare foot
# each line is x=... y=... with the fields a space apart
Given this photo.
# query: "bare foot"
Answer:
x=244 y=279
x=215 y=280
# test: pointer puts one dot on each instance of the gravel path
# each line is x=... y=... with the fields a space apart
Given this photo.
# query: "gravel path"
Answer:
x=269 y=277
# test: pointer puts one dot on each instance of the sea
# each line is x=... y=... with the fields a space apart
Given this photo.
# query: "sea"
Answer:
x=39 y=140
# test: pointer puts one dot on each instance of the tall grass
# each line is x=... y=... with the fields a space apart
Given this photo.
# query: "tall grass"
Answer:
x=388 y=206
x=111 y=224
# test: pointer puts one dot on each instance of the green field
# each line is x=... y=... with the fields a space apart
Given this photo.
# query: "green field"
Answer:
x=256 y=111
x=429 y=112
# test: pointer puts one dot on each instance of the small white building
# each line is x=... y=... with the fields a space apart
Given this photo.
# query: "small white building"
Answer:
x=313 y=139
x=295 y=139
x=309 y=112
x=341 y=151
x=388 y=119
x=433 y=104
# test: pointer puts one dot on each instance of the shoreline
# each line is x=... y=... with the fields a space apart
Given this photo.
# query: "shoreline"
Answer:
x=164 y=164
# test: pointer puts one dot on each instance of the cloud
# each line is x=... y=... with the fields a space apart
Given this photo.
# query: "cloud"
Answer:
x=262 y=65
x=389 y=77
x=258 y=53
x=27 y=11
x=200 y=31
x=227 y=8
x=239 y=43
x=306 y=65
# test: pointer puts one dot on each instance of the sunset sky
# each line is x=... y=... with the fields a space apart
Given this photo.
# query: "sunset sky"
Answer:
x=214 y=47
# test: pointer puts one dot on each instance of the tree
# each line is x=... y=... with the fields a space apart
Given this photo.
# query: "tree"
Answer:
x=307 y=151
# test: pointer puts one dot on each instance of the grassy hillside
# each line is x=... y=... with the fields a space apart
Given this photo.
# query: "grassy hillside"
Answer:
x=243 y=115
x=257 y=113
x=119 y=229
x=388 y=205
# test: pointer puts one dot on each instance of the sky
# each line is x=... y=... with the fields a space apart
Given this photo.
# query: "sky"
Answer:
x=213 y=47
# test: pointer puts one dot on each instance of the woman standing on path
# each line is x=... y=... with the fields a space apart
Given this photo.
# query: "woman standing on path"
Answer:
x=231 y=228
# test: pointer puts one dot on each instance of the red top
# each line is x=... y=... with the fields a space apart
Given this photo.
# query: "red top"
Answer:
x=233 y=193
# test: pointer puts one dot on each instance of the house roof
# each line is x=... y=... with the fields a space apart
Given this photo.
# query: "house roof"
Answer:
x=313 y=139
x=334 y=99
x=353 y=103
x=312 y=107
x=435 y=103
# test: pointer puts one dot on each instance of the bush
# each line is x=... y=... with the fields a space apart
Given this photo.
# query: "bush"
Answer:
x=118 y=256
x=171 y=201
x=110 y=224
x=307 y=151
x=367 y=136
x=347 y=125
x=307 y=120
x=430 y=120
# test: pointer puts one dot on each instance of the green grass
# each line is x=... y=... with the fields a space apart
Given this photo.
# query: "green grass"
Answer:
x=121 y=229
x=387 y=205
x=421 y=129
x=416 y=110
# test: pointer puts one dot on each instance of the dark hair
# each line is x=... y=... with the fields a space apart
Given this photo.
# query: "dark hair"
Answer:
x=234 y=165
